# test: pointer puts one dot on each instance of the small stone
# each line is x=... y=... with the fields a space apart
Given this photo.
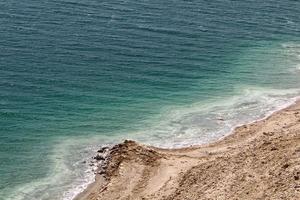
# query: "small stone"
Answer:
x=128 y=142
x=101 y=172
x=102 y=150
x=104 y=167
x=274 y=149
x=99 y=157
x=285 y=166
x=267 y=143
x=268 y=133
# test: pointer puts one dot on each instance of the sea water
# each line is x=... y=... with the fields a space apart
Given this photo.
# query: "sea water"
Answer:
x=76 y=75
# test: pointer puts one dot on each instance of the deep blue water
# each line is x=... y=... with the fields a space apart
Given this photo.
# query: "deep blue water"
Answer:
x=75 y=75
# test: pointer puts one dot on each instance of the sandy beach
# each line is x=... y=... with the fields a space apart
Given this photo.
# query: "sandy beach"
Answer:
x=260 y=160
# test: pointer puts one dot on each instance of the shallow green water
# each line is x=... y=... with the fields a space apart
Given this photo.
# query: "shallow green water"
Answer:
x=77 y=75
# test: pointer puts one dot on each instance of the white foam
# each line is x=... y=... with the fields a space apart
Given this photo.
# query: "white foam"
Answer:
x=201 y=123
x=209 y=120
x=176 y=127
x=69 y=175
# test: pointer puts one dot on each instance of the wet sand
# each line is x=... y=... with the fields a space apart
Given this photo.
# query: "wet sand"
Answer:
x=260 y=160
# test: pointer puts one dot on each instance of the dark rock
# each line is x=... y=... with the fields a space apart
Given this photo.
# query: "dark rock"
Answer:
x=268 y=133
x=104 y=167
x=99 y=157
x=274 y=149
x=101 y=172
x=129 y=142
x=285 y=166
x=267 y=143
x=103 y=149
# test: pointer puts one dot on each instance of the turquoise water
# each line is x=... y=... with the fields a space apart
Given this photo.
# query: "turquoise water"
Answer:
x=75 y=75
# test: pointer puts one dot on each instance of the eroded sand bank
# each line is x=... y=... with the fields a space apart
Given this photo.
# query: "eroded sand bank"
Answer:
x=257 y=161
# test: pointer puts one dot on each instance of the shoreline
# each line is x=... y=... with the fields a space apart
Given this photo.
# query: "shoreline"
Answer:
x=132 y=161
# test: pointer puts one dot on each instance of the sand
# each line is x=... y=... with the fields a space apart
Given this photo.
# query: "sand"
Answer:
x=260 y=160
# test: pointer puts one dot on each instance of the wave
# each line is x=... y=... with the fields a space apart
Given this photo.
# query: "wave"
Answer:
x=207 y=121
x=198 y=123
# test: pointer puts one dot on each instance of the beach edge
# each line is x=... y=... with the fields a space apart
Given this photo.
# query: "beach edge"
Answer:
x=119 y=163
